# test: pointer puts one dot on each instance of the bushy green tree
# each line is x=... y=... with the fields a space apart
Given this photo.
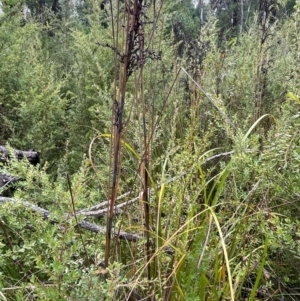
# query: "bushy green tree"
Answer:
x=217 y=119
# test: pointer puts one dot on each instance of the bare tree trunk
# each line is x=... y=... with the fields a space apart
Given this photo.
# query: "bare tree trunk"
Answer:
x=201 y=5
x=242 y=17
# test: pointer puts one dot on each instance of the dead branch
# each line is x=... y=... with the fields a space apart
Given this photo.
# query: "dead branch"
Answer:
x=6 y=180
x=32 y=156
x=99 y=210
x=83 y=224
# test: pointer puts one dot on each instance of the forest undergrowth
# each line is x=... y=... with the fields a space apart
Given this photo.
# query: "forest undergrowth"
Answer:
x=169 y=145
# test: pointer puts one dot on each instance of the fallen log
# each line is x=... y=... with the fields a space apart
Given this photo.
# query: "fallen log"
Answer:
x=32 y=156
x=6 y=180
x=46 y=214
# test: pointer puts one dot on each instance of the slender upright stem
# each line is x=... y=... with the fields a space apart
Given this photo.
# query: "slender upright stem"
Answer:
x=131 y=33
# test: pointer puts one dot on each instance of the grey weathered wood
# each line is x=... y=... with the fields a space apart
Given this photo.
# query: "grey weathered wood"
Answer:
x=6 y=180
x=46 y=214
x=32 y=156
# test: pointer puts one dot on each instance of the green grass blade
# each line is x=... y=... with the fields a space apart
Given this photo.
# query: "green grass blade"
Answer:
x=253 y=126
x=225 y=254
x=260 y=270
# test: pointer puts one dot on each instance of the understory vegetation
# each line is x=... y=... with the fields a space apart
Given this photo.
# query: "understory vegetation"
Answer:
x=170 y=152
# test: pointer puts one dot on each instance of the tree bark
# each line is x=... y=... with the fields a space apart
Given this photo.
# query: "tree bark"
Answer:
x=32 y=156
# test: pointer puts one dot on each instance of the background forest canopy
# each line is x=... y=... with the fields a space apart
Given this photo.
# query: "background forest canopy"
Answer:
x=185 y=114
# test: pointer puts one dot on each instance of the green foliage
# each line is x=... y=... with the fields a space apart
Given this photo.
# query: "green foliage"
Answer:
x=50 y=89
x=216 y=113
x=183 y=24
